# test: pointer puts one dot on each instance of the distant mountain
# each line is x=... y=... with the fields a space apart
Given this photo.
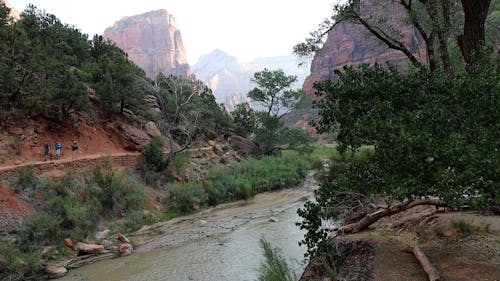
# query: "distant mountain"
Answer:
x=229 y=79
x=152 y=41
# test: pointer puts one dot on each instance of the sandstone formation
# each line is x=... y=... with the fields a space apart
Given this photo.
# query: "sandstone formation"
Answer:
x=152 y=41
x=89 y=249
x=351 y=44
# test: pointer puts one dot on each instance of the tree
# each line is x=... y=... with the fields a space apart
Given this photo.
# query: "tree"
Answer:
x=117 y=80
x=188 y=109
x=435 y=22
x=273 y=91
x=432 y=136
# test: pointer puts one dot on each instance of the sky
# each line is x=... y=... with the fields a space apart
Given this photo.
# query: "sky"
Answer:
x=245 y=29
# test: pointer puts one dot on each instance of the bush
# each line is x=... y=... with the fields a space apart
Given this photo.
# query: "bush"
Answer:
x=180 y=160
x=27 y=180
x=188 y=196
x=152 y=156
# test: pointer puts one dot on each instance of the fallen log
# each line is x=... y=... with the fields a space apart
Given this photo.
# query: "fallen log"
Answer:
x=431 y=271
x=369 y=219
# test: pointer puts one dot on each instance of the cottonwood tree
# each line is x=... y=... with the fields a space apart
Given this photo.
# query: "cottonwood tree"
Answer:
x=435 y=21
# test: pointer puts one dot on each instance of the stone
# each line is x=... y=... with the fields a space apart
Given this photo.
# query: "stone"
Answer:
x=273 y=219
x=18 y=162
x=152 y=130
x=122 y=238
x=218 y=150
x=126 y=249
x=56 y=271
x=102 y=235
x=152 y=41
x=242 y=144
x=88 y=249
x=211 y=142
x=69 y=243
x=203 y=222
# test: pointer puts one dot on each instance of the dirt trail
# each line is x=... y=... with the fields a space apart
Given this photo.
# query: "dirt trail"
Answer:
x=117 y=159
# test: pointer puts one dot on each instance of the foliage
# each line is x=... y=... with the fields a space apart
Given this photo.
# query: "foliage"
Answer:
x=152 y=156
x=266 y=127
x=188 y=110
x=275 y=267
x=16 y=265
x=432 y=136
x=245 y=120
x=187 y=196
x=241 y=181
x=180 y=160
x=273 y=91
x=47 y=69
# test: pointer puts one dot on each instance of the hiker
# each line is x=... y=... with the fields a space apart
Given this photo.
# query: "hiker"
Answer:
x=74 y=149
x=58 y=147
x=46 y=150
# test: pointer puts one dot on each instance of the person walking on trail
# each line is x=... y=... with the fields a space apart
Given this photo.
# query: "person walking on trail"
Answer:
x=46 y=150
x=74 y=149
x=58 y=148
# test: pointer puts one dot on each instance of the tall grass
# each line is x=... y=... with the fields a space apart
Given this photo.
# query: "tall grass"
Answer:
x=274 y=267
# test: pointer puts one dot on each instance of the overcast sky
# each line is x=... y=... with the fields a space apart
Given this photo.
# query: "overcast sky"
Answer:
x=246 y=29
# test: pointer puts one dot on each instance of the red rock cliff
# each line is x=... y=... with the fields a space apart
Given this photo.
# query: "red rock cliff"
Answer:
x=152 y=41
x=352 y=44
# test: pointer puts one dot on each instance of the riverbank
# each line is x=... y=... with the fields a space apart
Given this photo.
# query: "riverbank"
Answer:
x=220 y=242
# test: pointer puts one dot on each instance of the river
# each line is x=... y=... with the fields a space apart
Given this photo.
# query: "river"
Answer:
x=219 y=244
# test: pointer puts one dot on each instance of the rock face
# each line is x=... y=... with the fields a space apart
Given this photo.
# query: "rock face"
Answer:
x=152 y=41
x=229 y=79
x=351 y=44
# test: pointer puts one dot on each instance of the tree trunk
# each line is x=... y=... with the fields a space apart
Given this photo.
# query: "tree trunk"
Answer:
x=472 y=40
x=425 y=263
x=373 y=217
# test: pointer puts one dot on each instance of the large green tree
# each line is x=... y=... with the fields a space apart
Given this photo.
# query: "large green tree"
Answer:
x=275 y=97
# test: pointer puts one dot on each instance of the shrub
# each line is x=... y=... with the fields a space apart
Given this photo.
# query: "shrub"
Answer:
x=188 y=196
x=152 y=156
x=27 y=180
x=180 y=160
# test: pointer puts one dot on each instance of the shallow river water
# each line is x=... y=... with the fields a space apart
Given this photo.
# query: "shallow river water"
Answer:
x=235 y=255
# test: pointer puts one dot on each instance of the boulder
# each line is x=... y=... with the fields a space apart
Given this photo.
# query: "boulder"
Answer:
x=88 y=249
x=122 y=238
x=56 y=271
x=102 y=235
x=152 y=130
x=211 y=142
x=69 y=243
x=218 y=150
x=273 y=219
x=242 y=144
x=126 y=249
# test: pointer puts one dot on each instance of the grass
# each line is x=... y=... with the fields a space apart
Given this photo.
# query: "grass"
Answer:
x=274 y=267
x=170 y=213
x=463 y=227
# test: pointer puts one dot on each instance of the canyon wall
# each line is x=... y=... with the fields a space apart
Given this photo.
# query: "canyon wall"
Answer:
x=152 y=41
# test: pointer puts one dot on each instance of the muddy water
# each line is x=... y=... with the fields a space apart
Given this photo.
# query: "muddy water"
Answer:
x=224 y=246
x=231 y=256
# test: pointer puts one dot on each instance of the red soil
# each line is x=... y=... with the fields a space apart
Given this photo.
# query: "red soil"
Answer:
x=92 y=139
x=11 y=206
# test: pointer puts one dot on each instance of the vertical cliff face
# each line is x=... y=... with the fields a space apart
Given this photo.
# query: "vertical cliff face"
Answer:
x=352 y=44
x=152 y=41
